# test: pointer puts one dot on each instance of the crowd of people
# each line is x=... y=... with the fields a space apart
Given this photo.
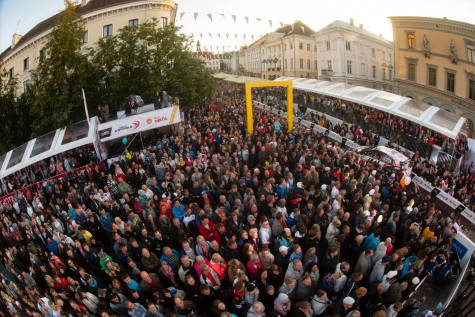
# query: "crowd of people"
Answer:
x=348 y=111
x=209 y=221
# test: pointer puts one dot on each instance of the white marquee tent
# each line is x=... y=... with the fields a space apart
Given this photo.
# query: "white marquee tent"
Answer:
x=52 y=143
x=426 y=115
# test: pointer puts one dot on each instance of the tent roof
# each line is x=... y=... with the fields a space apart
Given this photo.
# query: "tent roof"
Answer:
x=52 y=143
x=421 y=113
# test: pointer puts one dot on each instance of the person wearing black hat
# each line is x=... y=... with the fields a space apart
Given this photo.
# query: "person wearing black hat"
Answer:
x=116 y=303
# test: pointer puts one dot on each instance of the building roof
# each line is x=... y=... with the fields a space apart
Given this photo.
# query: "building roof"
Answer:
x=259 y=41
x=353 y=28
x=297 y=28
x=49 y=23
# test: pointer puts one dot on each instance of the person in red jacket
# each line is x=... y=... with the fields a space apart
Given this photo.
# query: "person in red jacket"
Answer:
x=208 y=229
x=253 y=266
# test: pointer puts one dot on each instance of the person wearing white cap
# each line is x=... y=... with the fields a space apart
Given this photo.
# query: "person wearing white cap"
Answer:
x=343 y=306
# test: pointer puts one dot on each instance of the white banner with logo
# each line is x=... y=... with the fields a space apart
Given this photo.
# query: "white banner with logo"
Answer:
x=138 y=123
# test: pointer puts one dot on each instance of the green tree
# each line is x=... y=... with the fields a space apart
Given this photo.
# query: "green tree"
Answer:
x=146 y=58
x=60 y=76
x=14 y=114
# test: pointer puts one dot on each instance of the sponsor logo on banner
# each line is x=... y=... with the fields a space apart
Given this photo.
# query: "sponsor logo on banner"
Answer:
x=160 y=119
x=105 y=133
x=449 y=200
x=459 y=248
x=149 y=121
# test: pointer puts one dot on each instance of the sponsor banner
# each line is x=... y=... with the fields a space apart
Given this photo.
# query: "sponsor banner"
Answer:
x=422 y=183
x=351 y=144
x=468 y=214
x=335 y=136
x=137 y=123
x=448 y=200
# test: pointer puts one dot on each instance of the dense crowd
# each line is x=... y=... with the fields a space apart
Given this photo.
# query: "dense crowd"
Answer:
x=348 y=111
x=210 y=222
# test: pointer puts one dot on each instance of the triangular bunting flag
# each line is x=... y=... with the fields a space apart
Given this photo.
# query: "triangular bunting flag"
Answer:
x=201 y=35
x=252 y=37
x=182 y=14
x=223 y=48
x=234 y=18
x=205 y=48
x=258 y=19
x=210 y=17
x=235 y=36
x=247 y=19
x=270 y=23
x=196 y=15
x=281 y=24
x=244 y=36
x=235 y=47
x=219 y=35
x=210 y=35
x=222 y=14
x=227 y=36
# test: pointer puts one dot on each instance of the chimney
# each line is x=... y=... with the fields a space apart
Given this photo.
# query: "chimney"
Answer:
x=15 y=39
x=352 y=22
x=361 y=26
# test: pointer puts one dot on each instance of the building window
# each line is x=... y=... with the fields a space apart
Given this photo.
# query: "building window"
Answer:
x=450 y=82
x=348 y=45
x=301 y=46
x=107 y=30
x=411 y=42
x=411 y=71
x=285 y=47
x=362 y=49
x=85 y=37
x=348 y=67
x=315 y=64
x=471 y=89
x=432 y=76
x=329 y=65
x=11 y=73
x=471 y=52
x=314 y=47
x=291 y=46
x=291 y=63
x=383 y=71
x=301 y=63
x=373 y=52
x=164 y=21
x=390 y=74
x=134 y=22
x=26 y=63
x=328 y=45
x=285 y=63
x=308 y=64
x=390 y=57
x=384 y=54
x=308 y=47
x=363 y=69
x=374 y=71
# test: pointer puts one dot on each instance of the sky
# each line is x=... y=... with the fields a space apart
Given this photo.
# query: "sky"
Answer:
x=19 y=16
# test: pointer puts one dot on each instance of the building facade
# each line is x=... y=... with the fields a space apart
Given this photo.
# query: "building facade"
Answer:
x=351 y=54
x=253 y=58
x=102 y=18
x=435 y=63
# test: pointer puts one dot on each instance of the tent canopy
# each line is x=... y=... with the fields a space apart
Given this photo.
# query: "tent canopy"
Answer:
x=426 y=115
x=52 y=143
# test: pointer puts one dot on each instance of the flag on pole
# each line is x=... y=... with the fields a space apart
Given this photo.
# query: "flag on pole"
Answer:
x=210 y=17
x=196 y=15
x=85 y=106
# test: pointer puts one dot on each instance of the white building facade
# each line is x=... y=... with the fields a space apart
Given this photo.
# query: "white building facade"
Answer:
x=351 y=54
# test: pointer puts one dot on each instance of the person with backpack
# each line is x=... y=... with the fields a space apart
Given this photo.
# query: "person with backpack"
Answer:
x=412 y=307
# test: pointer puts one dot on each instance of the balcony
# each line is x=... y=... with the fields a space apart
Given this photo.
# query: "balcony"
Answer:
x=327 y=73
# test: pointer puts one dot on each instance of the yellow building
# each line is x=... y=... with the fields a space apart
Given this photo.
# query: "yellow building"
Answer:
x=435 y=63
x=102 y=18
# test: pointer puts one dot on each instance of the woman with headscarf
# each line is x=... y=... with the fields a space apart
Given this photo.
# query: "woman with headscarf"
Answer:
x=282 y=304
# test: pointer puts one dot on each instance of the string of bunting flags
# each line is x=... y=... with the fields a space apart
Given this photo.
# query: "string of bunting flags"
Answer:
x=218 y=35
x=233 y=16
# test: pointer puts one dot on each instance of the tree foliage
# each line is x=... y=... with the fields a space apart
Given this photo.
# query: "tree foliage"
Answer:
x=14 y=114
x=147 y=58
x=60 y=76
